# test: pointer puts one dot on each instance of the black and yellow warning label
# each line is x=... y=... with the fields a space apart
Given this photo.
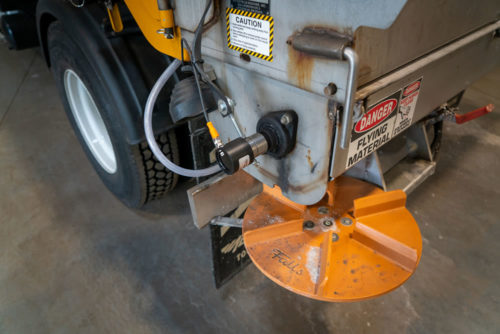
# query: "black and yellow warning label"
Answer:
x=250 y=33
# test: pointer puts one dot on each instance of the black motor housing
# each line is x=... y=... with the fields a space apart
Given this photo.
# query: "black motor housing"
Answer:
x=185 y=99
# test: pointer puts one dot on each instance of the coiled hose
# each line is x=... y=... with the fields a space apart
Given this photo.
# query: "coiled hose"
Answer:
x=148 y=129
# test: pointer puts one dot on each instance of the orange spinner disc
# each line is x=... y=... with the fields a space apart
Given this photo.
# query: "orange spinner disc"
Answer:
x=358 y=242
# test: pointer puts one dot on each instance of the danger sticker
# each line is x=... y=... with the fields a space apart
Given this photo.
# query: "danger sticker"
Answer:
x=383 y=120
x=407 y=106
x=374 y=129
x=250 y=33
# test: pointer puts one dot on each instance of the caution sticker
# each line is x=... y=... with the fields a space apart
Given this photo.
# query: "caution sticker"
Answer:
x=383 y=120
x=250 y=33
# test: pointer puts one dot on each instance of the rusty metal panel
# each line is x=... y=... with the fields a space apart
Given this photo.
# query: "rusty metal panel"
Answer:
x=291 y=16
x=296 y=80
x=302 y=174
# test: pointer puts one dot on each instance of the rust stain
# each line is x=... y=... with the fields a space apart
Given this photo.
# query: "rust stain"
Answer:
x=309 y=160
x=300 y=66
x=338 y=29
x=282 y=179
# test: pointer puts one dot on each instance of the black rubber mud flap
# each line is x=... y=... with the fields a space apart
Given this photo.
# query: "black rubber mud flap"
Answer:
x=229 y=255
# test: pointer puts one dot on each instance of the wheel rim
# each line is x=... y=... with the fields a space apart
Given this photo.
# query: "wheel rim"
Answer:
x=89 y=121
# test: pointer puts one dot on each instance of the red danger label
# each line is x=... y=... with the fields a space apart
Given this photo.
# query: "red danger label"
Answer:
x=410 y=89
x=376 y=115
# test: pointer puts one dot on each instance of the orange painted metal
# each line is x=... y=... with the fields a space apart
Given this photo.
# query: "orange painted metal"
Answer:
x=150 y=20
x=115 y=17
x=330 y=259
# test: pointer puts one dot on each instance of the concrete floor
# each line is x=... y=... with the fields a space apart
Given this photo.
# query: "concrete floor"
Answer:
x=74 y=260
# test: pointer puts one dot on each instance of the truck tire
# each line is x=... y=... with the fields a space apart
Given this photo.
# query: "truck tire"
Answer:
x=130 y=172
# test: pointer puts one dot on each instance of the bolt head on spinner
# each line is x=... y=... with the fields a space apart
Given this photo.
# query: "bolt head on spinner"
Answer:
x=357 y=243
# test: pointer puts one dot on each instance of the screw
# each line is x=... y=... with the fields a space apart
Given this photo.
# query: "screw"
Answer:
x=285 y=119
x=328 y=223
x=308 y=225
x=323 y=210
x=346 y=221
x=330 y=89
x=335 y=237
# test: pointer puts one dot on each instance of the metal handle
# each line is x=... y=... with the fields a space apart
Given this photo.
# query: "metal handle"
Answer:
x=352 y=58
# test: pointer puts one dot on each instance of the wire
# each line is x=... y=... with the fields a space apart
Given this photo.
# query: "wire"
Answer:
x=150 y=137
x=196 y=65
x=198 y=85
x=198 y=34
x=148 y=113
x=196 y=59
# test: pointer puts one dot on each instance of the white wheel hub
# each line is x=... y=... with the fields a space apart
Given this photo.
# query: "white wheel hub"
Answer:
x=89 y=121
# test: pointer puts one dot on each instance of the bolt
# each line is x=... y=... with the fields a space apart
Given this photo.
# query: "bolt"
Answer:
x=285 y=119
x=330 y=89
x=335 y=237
x=328 y=223
x=323 y=210
x=331 y=115
x=346 y=221
x=231 y=102
x=222 y=106
x=167 y=32
x=308 y=225
x=359 y=111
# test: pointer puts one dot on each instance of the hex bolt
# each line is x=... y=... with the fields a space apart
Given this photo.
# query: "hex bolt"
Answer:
x=335 y=237
x=222 y=106
x=308 y=225
x=285 y=119
x=328 y=223
x=323 y=210
x=346 y=221
x=330 y=89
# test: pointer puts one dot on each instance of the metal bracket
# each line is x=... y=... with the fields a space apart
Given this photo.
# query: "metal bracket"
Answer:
x=226 y=221
x=333 y=45
x=220 y=195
